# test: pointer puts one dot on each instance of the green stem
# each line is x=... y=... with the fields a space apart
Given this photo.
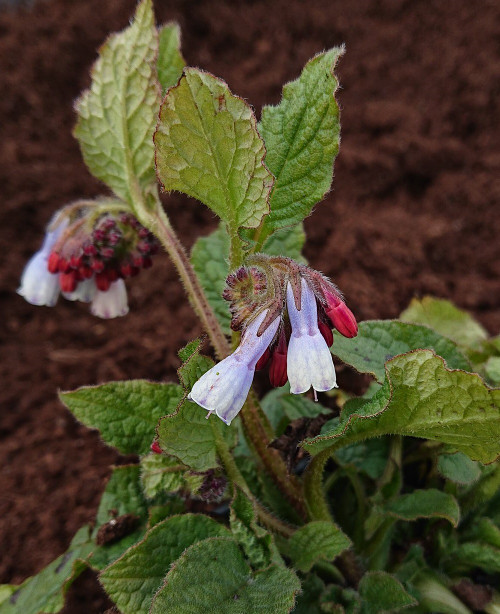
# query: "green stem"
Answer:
x=234 y=474
x=313 y=487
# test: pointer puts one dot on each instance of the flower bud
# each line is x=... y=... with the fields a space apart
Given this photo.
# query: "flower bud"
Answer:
x=277 y=371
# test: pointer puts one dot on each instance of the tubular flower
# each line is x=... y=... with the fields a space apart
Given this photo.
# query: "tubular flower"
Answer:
x=86 y=255
x=309 y=361
x=224 y=388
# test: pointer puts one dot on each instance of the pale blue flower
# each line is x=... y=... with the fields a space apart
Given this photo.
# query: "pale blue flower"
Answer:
x=309 y=361
x=112 y=303
x=224 y=388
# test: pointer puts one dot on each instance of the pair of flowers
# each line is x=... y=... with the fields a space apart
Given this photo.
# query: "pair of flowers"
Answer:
x=311 y=305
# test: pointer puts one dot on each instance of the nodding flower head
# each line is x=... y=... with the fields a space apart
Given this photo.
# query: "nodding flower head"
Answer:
x=224 y=388
x=87 y=253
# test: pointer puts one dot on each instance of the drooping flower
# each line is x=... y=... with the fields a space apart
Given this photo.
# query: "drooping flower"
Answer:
x=309 y=361
x=86 y=256
x=224 y=388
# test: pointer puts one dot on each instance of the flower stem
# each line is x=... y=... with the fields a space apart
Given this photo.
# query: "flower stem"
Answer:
x=317 y=506
x=160 y=225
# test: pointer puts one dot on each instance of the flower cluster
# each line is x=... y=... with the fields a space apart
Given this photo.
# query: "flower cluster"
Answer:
x=86 y=255
x=286 y=312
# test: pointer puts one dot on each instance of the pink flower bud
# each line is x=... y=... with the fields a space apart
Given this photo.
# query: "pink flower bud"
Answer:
x=155 y=447
x=102 y=281
x=343 y=319
x=277 y=371
x=327 y=333
x=68 y=281
x=53 y=263
x=263 y=360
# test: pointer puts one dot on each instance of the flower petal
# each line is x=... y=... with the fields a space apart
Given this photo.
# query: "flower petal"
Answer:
x=85 y=291
x=112 y=303
x=38 y=286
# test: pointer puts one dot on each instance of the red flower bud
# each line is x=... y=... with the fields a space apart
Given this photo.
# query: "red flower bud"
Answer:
x=263 y=360
x=85 y=272
x=343 y=319
x=68 y=281
x=102 y=281
x=277 y=371
x=53 y=263
x=155 y=447
x=97 y=266
x=112 y=274
x=327 y=333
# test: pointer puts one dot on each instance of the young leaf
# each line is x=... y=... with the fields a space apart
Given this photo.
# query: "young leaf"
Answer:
x=213 y=576
x=133 y=579
x=210 y=259
x=430 y=503
x=123 y=496
x=117 y=115
x=381 y=592
x=125 y=413
x=379 y=340
x=422 y=398
x=45 y=592
x=170 y=61
x=446 y=319
x=160 y=474
x=302 y=139
x=188 y=435
x=314 y=541
x=208 y=147
x=458 y=468
x=194 y=364
x=476 y=554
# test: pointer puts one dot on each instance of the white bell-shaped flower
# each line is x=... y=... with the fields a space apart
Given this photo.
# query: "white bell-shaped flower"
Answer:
x=112 y=303
x=38 y=285
x=85 y=291
x=309 y=361
x=224 y=388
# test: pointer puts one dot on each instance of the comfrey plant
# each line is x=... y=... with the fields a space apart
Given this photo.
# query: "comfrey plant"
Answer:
x=309 y=499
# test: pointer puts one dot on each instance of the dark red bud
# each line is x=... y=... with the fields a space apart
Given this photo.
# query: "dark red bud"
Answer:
x=343 y=319
x=75 y=262
x=114 y=238
x=155 y=447
x=147 y=263
x=263 y=360
x=53 y=263
x=137 y=261
x=98 y=234
x=143 y=233
x=277 y=371
x=89 y=249
x=112 y=274
x=85 y=272
x=68 y=281
x=102 y=282
x=97 y=266
x=143 y=247
x=64 y=266
x=126 y=269
x=327 y=333
x=107 y=252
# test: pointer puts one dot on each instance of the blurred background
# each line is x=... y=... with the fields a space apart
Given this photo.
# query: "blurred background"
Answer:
x=413 y=209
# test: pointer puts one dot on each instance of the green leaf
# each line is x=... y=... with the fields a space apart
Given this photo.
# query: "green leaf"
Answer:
x=133 y=579
x=380 y=340
x=161 y=474
x=492 y=369
x=308 y=600
x=287 y=242
x=476 y=554
x=314 y=541
x=296 y=406
x=487 y=531
x=123 y=495
x=213 y=576
x=458 y=468
x=422 y=398
x=368 y=456
x=302 y=140
x=381 y=592
x=45 y=592
x=194 y=365
x=430 y=503
x=173 y=506
x=125 y=413
x=190 y=437
x=170 y=61
x=117 y=115
x=208 y=147
x=446 y=319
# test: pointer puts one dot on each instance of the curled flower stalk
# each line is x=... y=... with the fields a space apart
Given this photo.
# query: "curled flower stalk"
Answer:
x=87 y=253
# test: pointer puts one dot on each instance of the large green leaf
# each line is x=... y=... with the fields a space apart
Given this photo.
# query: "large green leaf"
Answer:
x=208 y=147
x=213 y=576
x=170 y=61
x=314 y=541
x=123 y=496
x=133 y=579
x=45 y=592
x=422 y=398
x=430 y=503
x=458 y=468
x=210 y=259
x=160 y=474
x=446 y=319
x=379 y=340
x=126 y=413
x=117 y=115
x=381 y=592
x=302 y=139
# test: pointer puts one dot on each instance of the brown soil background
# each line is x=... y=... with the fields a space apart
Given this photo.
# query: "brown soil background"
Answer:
x=413 y=210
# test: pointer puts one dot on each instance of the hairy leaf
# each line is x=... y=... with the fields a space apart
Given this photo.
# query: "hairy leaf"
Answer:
x=117 y=115
x=125 y=413
x=458 y=468
x=160 y=473
x=45 y=592
x=369 y=456
x=213 y=576
x=302 y=140
x=381 y=592
x=380 y=340
x=314 y=541
x=194 y=364
x=428 y=503
x=208 y=147
x=422 y=398
x=446 y=319
x=170 y=61
x=133 y=579
x=477 y=554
